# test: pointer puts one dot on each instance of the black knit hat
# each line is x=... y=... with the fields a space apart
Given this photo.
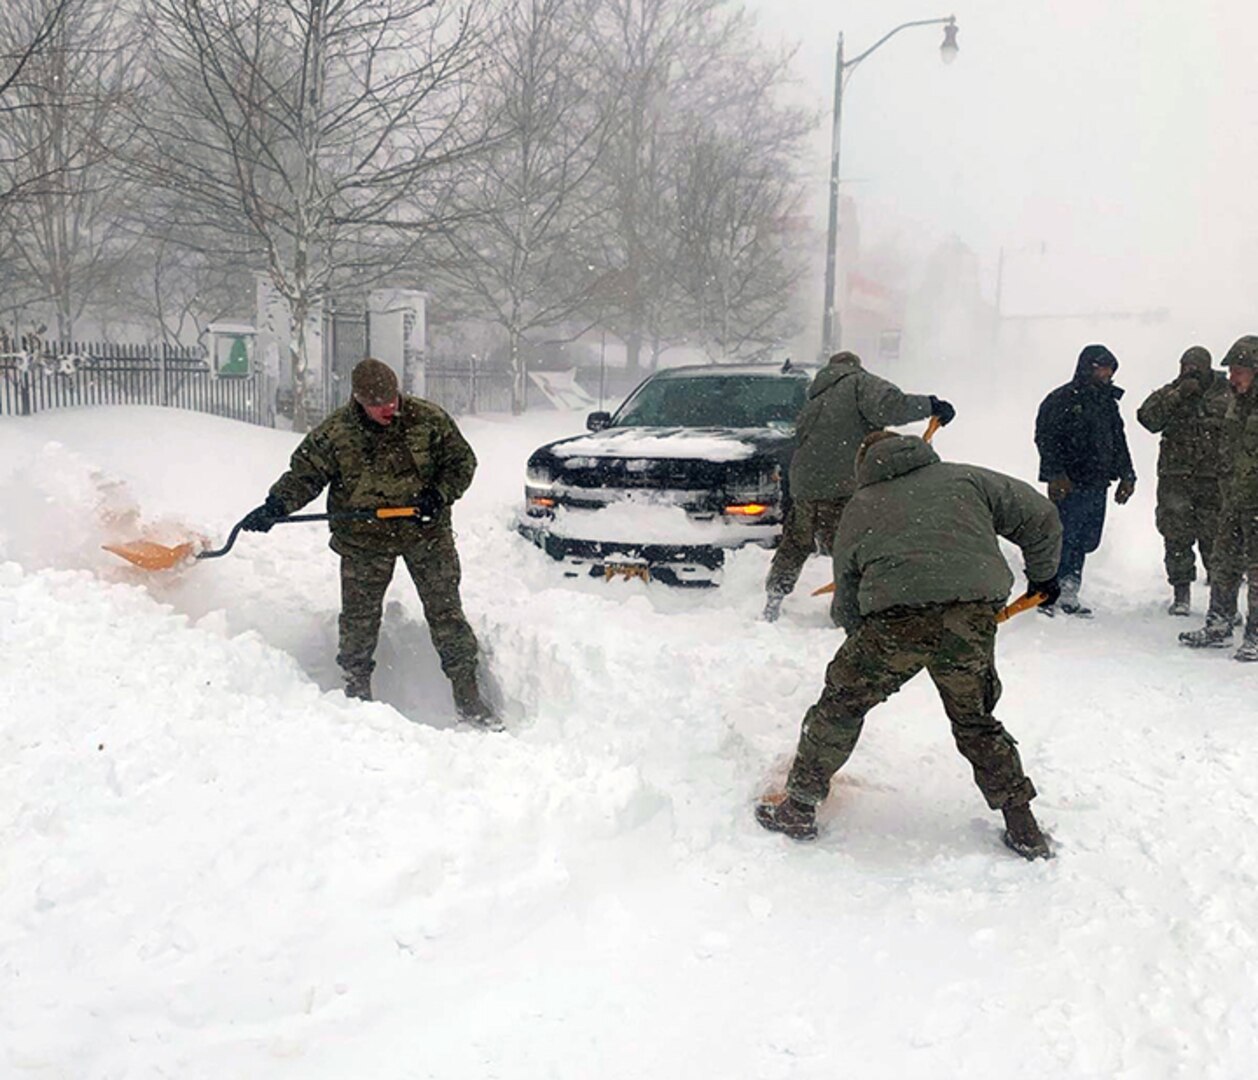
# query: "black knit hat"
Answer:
x=374 y=382
x=1098 y=356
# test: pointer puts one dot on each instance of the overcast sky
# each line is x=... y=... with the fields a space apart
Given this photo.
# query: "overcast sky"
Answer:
x=1121 y=134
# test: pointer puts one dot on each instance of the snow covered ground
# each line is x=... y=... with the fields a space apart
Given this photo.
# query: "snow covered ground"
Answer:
x=213 y=865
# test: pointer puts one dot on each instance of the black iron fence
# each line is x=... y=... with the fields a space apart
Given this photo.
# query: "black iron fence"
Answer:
x=36 y=375
x=468 y=389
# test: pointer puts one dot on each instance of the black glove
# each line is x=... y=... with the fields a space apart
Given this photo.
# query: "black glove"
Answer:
x=1059 y=487
x=1124 y=491
x=1049 y=589
x=1191 y=383
x=942 y=409
x=266 y=515
x=430 y=504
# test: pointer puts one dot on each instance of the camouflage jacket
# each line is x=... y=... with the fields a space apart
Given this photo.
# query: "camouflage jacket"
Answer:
x=845 y=403
x=366 y=466
x=1191 y=423
x=1240 y=479
x=920 y=531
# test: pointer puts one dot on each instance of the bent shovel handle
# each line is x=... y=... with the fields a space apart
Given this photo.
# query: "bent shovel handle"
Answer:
x=384 y=513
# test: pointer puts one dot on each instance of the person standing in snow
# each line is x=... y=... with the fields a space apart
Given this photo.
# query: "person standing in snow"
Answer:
x=845 y=403
x=919 y=581
x=1236 y=542
x=1083 y=448
x=1189 y=414
x=383 y=449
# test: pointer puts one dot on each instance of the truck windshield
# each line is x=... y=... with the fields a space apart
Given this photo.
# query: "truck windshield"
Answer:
x=734 y=401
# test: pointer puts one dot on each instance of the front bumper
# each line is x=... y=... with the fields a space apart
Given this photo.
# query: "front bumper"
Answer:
x=696 y=565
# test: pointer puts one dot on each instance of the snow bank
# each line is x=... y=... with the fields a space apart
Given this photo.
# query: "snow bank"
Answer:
x=215 y=865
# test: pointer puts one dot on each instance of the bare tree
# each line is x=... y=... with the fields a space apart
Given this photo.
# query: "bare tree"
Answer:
x=64 y=239
x=654 y=57
x=735 y=190
x=521 y=256
x=22 y=39
x=692 y=82
x=319 y=136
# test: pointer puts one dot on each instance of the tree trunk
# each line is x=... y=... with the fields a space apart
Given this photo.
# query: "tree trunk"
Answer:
x=519 y=375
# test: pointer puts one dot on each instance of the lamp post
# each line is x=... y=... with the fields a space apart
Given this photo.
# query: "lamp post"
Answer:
x=831 y=331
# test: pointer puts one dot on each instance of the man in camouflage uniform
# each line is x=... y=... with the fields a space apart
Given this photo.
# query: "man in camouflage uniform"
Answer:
x=920 y=579
x=845 y=403
x=387 y=450
x=1189 y=413
x=1236 y=542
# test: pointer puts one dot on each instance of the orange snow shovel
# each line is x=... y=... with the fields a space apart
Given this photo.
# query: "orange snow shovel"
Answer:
x=149 y=555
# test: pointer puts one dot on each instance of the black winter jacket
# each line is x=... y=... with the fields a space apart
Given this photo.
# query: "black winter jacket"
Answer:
x=1079 y=433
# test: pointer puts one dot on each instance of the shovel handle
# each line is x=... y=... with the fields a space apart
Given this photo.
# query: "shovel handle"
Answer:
x=1023 y=603
x=383 y=513
x=931 y=428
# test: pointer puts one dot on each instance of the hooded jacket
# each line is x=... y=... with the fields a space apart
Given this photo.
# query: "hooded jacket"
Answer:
x=1080 y=434
x=366 y=466
x=845 y=403
x=920 y=531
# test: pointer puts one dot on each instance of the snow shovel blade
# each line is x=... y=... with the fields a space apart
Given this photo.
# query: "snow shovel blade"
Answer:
x=150 y=556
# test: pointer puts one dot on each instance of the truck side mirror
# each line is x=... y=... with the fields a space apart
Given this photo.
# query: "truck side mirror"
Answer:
x=597 y=421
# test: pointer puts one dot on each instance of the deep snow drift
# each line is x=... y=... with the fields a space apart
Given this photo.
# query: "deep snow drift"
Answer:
x=216 y=866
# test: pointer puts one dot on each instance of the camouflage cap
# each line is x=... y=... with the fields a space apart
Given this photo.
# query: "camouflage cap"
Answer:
x=1244 y=353
x=845 y=357
x=1197 y=357
x=374 y=382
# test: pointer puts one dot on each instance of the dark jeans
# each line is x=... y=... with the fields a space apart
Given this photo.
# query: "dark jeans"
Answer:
x=1082 y=514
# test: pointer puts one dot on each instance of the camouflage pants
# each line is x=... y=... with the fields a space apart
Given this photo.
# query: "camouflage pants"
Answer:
x=1187 y=514
x=955 y=643
x=433 y=563
x=1235 y=555
x=810 y=527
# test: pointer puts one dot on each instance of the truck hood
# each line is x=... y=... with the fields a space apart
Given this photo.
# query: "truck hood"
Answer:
x=675 y=443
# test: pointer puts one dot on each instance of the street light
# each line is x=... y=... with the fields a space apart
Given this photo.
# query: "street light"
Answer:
x=831 y=332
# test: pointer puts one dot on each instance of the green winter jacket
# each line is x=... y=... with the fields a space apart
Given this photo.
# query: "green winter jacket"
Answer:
x=366 y=466
x=920 y=531
x=845 y=403
x=1192 y=424
x=1240 y=469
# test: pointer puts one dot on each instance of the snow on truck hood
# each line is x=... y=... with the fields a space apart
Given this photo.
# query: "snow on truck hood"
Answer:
x=704 y=444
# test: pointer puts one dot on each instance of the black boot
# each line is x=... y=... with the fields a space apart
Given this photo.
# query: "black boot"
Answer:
x=795 y=819
x=773 y=607
x=359 y=687
x=1216 y=634
x=1182 y=604
x=1248 y=652
x=471 y=707
x=1022 y=833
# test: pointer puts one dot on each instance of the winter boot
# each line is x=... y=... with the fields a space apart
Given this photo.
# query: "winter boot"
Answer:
x=358 y=686
x=470 y=706
x=1022 y=833
x=1248 y=652
x=795 y=819
x=1182 y=604
x=773 y=607
x=1068 y=601
x=1216 y=634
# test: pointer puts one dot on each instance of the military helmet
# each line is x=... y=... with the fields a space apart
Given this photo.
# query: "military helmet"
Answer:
x=1198 y=356
x=1244 y=353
